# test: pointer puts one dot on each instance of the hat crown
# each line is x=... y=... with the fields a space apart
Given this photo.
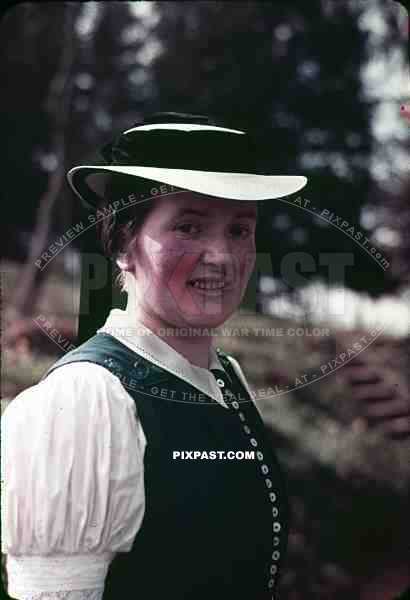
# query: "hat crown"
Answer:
x=181 y=141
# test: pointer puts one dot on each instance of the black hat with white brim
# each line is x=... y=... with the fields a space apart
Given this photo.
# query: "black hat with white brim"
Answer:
x=188 y=152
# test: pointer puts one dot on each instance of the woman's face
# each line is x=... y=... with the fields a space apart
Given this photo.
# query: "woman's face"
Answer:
x=189 y=236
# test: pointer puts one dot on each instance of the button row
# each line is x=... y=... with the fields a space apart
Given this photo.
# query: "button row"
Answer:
x=265 y=470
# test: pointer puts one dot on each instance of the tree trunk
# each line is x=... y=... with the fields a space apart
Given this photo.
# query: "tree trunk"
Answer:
x=58 y=105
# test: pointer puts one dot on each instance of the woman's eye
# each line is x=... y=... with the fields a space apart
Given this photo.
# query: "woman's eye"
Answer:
x=237 y=229
x=241 y=227
x=182 y=226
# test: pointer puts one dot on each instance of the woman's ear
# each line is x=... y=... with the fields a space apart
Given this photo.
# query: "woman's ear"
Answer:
x=123 y=263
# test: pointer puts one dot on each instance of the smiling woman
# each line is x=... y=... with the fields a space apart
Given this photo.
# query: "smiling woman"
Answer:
x=120 y=228
x=165 y=255
x=107 y=512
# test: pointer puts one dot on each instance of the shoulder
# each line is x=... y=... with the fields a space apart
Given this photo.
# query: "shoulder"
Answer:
x=78 y=387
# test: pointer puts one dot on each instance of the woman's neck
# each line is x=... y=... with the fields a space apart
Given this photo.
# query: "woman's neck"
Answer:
x=196 y=349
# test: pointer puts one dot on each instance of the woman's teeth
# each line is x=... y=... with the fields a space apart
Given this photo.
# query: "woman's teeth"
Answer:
x=209 y=285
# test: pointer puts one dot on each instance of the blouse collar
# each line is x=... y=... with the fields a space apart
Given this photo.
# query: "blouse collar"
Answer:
x=146 y=343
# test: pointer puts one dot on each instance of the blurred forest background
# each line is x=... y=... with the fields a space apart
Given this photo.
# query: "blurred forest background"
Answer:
x=324 y=80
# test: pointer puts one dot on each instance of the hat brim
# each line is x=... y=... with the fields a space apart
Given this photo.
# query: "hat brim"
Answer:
x=234 y=186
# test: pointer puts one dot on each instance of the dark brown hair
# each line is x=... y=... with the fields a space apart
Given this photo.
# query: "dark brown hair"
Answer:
x=119 y=227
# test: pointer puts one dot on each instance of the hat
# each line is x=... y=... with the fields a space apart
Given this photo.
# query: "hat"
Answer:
x=189 y=152
x=186 y=151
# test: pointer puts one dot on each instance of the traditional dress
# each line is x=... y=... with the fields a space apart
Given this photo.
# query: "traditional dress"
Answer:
x=99 y=504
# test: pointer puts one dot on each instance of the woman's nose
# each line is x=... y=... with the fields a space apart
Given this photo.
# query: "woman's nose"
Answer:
x=217 y=249
x=218 y=244
x=218 y=258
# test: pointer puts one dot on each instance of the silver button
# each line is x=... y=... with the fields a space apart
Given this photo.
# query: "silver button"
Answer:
x=276 y=555
x=253 y=442
x=273 y=569
x=272 y=496
x=235 y=404
x=271 y=583
x=275 y=511
x=268 y=483
x=259 y=455
x=241 y=416
x=276 y=527
x=264 y=469
x=246 y=429
x=220 y=382
x=275 y=540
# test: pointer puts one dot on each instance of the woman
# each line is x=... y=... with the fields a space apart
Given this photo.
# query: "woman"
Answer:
x=130 y=482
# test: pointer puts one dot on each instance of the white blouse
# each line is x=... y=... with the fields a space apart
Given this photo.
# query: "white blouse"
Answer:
x=72 y=470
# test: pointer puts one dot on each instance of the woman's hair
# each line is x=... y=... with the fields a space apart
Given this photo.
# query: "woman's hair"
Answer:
x=119 y=227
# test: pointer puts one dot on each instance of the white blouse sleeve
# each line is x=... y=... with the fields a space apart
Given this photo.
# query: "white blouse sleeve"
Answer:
x=72 y=492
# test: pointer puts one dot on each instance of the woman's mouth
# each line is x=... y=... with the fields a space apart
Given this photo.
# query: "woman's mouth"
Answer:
x=213 y=288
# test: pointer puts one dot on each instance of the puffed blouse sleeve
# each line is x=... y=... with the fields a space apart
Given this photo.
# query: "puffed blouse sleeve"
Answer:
x=72 y=492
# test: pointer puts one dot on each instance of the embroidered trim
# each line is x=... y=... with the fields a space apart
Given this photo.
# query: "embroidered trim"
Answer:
x=159 y=364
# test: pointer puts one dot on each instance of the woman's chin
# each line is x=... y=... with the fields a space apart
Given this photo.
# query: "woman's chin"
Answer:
x=208 y=320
